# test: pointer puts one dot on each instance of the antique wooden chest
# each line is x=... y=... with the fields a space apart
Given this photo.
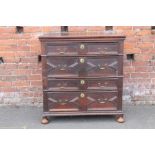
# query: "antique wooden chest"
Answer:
x=82 y=74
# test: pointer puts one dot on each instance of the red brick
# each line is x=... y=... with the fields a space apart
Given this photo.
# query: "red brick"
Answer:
x=5 y=84
x=51 y=29
x=22 y=36
x=132 y=50
x=140 y=63
x=132 y=39
x=142 y=27
x=23 y=72
x=126 y=75
x=32 y=29
x=8 y=89
x=8 y=42
x=23 y=48
x=123 y=27
x=11 y=66
x=7 y=54
x=129 y=45
x=139 y=75
x=152 y=75
x=8 y=48
x=29 y=60
x=129 y=69
x=95 y=28
x=127 y=63
x=145 y=45
x=28 y=66
x=153 y=81
x=143 y=57
x=7 y=29
x=36 y=47
x=78 y=28
x=35 y=77
x=21 y=83
x=147 y=38
x=128 y=33
x=4 y=36
x=36 y=83
x=143 y=32
x=23 y=42
x=20 y=54
x=143 y=69
x=37 y=71
x=12 y=60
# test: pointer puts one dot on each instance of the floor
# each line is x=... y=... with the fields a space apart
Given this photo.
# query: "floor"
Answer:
x=137 y=117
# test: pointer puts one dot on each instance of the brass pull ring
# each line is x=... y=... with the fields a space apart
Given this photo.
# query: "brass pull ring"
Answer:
x=82 y=95
x=82 y=46
x=82 y=60
x=82 y=82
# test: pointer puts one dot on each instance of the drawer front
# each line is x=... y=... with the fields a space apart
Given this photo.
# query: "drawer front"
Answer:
x=102 y=100
x=85 y=101
x=86 y=48
x=102 y=48
x=108 y=66
x=82 y=84
x=63 y=67
x=103 y=84
x=63 y=101
x=61 y=49
x=83 y=66
x=63 y=85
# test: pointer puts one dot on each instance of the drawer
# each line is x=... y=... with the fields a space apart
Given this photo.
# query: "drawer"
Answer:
x=102 y=48
x=63 y=85
x=103 y=84
x=61 y=49
x=86 y=48
x=102 y=66
x=63 y=101
x=84 y=100
x=83 y=66
x=102 y=100
x=82 y=84
x=63 y=67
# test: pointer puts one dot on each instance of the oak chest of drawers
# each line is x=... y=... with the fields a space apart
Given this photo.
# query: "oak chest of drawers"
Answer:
x=82 y=74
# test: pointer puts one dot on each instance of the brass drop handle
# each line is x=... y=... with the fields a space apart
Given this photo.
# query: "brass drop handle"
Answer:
x=82 y=60
x=82 y=46
x=82 y=95
x=102 y=68
x=99 y=84
x=61 y=52
x=82 y=82
x=62 y=69
x=62 y=103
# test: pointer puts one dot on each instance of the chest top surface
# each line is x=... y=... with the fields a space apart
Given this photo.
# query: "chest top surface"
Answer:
x=81 y=35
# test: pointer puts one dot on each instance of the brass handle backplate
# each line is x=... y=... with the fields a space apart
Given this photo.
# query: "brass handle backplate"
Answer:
x=82 y=95
x=82 y=46
x=61 y=52
x=82 y=82
x=82 y=60
x=102 y=68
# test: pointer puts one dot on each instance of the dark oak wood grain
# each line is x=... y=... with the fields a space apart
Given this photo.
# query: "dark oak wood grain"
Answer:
x=82 y=74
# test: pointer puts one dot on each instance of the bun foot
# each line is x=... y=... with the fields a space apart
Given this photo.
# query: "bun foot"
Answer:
x=44 y=120
x=120 y=119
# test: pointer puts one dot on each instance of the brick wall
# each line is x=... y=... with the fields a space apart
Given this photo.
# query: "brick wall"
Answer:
x=20 y=74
